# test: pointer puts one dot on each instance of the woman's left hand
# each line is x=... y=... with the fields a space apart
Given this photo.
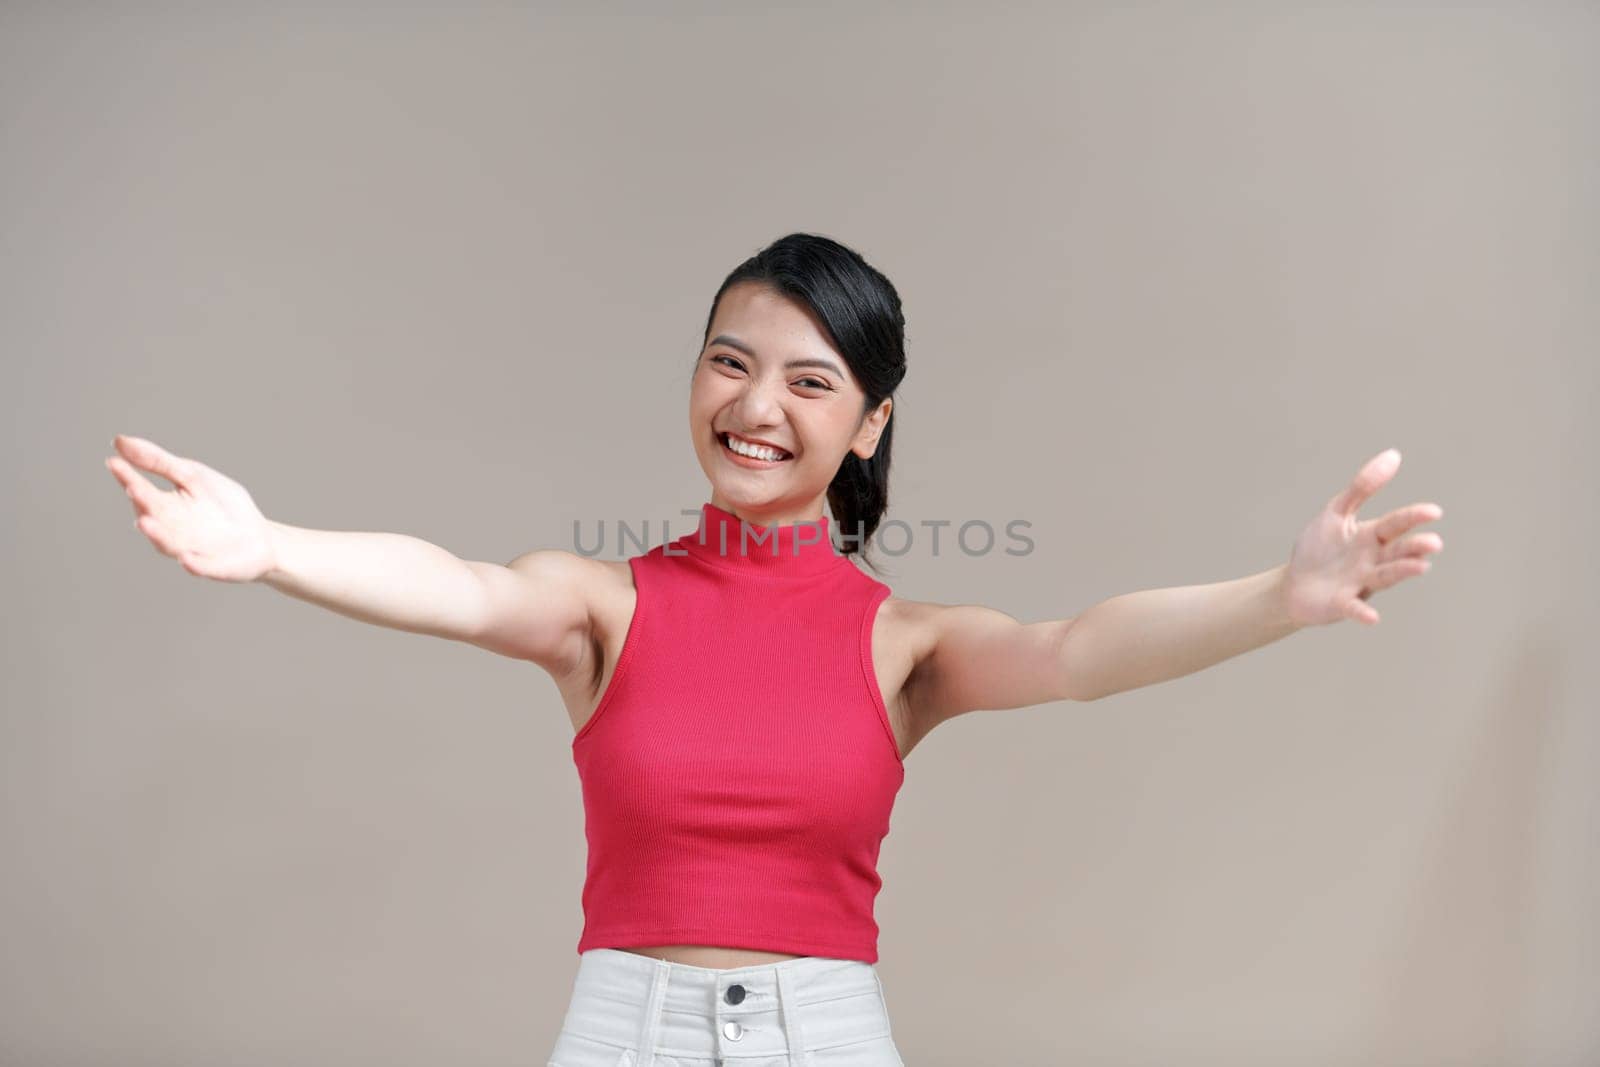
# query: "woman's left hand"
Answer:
x=1338 y=561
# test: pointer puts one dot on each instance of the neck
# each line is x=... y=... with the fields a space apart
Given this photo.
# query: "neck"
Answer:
x=801 y=547
x=774 y=514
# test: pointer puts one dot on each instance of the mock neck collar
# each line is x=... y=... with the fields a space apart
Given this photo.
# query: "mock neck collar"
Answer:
x=786 y=548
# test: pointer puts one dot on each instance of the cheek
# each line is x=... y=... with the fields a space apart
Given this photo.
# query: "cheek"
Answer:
x=831 y=437
x=701 y=405
x=707 y=393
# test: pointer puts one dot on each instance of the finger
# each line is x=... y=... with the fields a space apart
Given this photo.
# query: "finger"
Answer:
x=122 y=471
x=1386 y=574
x=139 y=509
x=1398 y=521
x=152 y=457
x=145 y=494
x=158 y=534
x=148 y=526
x=1360 y=611
x=1372 y=476
x=1421 y=544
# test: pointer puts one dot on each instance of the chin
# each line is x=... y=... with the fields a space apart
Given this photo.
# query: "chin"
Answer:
x=742 y=495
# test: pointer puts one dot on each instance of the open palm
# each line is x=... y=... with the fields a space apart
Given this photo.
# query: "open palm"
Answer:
x=207 y=521
x=1338 y=561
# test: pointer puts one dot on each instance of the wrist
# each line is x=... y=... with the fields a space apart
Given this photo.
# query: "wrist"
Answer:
x=278 y=537
x=1281 y=600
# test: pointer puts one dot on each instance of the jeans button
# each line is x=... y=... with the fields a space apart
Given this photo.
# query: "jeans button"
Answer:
x=735 y=994
x=732 y=1031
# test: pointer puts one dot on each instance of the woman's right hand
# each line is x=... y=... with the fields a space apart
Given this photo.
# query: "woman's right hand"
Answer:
x=207 y=522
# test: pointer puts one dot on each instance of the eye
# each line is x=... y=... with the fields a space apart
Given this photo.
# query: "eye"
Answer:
x=809 y=382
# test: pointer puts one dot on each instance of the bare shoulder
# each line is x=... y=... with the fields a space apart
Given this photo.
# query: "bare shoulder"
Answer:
x=612 y=577
x=583 y=575
x=916 y=628
x=542 y=606
x=910 y=625
x=973 y=656
x=919 y=624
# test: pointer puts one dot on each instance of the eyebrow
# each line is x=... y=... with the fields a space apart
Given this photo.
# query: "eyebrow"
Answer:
x=734 y=342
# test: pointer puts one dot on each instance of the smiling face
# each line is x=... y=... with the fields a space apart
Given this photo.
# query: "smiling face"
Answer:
x=769 y=374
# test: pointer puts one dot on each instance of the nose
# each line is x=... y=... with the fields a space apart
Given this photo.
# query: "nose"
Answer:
x=758 y=405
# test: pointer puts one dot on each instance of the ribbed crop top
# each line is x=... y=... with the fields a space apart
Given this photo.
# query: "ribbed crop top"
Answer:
x=739 y=771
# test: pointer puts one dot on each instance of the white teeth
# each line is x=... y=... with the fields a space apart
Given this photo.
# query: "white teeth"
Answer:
x=753 y=451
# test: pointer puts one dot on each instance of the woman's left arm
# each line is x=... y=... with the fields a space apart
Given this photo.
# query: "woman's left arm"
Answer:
x=1154 y=635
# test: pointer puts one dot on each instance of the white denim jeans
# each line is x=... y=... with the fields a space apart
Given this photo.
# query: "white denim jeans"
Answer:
x=630 y=1010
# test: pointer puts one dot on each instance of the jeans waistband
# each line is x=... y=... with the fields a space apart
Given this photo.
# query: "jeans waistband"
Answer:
x=768 y=1009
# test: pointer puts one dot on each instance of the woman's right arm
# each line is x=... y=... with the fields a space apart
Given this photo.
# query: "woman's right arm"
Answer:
x=536 y=608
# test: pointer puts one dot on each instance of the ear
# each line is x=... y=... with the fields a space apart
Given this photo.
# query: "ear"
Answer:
x=872 y=424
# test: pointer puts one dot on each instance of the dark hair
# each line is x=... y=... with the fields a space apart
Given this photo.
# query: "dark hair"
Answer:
x=860 y=310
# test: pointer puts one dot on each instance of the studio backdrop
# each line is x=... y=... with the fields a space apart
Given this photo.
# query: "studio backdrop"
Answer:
x=1171 y=272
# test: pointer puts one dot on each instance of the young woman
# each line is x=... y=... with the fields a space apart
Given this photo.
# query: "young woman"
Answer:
x=743 y=697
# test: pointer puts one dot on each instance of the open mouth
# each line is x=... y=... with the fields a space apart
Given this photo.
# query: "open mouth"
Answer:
x=754 y=453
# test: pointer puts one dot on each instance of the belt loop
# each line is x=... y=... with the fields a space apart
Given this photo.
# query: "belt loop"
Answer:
x=650 y=1027
x=789 y=1004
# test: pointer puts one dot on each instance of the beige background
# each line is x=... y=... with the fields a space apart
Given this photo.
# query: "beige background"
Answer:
x=1171 y=271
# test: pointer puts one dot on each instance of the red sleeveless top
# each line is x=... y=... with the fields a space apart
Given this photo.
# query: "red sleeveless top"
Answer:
x=739 y=771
